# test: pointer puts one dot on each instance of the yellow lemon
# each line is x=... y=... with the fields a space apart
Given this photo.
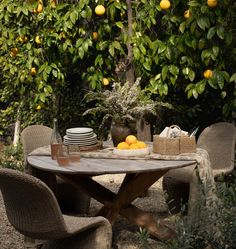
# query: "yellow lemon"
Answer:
x=165 y=4
x=14 y=52
x=22 y=39
x=95 y=35
x=100 y=10
x=134 y=146
x=141 y=145
x=212 y=3
x=38 y=39
x=62 y=35
x=123 y=146
x=33 y=71
x=105 y=81
x=38 y=107
x=187 y=14
x=53 y=3
x=39 y=8
x=131 y=139
x=208 y=73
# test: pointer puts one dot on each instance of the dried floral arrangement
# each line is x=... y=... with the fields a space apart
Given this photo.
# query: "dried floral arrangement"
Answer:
x=124 y=103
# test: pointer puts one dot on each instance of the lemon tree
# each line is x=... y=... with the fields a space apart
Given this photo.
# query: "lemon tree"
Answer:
x=52 y=52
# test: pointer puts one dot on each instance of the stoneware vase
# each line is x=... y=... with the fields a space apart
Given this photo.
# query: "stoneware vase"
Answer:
x=119 y=132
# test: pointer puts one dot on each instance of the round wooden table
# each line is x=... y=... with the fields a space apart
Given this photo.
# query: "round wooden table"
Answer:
x=140 y=174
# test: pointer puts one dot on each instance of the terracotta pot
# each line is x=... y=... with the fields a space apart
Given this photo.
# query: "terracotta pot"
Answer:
x=119 y=132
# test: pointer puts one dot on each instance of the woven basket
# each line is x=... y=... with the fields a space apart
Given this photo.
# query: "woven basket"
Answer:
x=173 y=146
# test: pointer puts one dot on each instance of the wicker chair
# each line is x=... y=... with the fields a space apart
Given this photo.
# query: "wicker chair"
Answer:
x=70 y=199
x=219 y=141
x=32 y=209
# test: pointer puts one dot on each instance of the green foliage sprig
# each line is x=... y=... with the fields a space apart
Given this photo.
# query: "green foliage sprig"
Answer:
x=123 y=103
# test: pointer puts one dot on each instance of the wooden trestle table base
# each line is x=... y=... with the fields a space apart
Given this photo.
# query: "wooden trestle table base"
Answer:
x=139 y=176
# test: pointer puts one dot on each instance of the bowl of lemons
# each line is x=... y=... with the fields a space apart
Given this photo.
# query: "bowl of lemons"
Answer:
x=131 y=147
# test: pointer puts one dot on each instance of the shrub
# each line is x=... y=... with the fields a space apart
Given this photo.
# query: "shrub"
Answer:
x=198 y=237
x=12 y=157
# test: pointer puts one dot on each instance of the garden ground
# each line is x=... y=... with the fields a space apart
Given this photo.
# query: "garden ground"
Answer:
x=124 y=234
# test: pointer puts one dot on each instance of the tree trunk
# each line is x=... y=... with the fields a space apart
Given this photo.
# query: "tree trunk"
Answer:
x=130 y=72
x=143 y=129
x=17 y=126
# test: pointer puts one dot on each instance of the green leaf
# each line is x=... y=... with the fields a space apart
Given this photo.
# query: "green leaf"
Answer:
x=147 y=65
x=201 y=86
x=203 y=22
x=211 y=32
x=220 y=80
x=182 y=27
x=193 y=3
x=195 y=94
x=220 y=32
x=120 y=25
x=42 y=97
x=233 y=78
x=79 y=42
x=189 y=86
x=112 y=51
x=201 y=43
x=81 y=53
x=164 y=72
x=190 y=93
x=162 y=48
x=116 y=45
x=74 y=17
x=168 y=53
x=99 y=60
x=136 y=53
x=54 y=73
x=191 y=75
x=228 y=38
x=174 y=70
x=215 y=50
x=142 y=49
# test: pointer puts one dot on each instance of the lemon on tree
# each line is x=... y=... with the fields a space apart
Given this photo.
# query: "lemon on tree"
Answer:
x=187 y=14
x=38 y=39
x=165 y=4
x=33 y=71
x=105 y=81
x=38 y=107
x=14 y=52
x=95 y=35
x=208 y=73
x=212 y=3
x=100 y=10
x=39 y=8
x=23 y=38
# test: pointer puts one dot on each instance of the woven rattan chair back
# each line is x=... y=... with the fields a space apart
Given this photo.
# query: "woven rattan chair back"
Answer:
x=34 y=136
x=219 y=141
x=31 y=206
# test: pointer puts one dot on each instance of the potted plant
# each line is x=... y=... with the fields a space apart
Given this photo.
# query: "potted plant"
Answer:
x=121 y=106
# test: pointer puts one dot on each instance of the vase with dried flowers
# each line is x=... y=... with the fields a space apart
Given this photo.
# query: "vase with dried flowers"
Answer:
x=122 y=106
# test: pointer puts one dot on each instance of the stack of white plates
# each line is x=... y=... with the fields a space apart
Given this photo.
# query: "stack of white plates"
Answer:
x=82 y=136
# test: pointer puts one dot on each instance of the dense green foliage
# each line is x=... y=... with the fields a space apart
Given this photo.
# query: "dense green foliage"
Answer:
x=50 y=58
x=196 y=237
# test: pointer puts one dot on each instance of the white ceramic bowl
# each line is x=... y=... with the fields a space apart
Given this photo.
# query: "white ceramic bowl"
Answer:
x=137 y=152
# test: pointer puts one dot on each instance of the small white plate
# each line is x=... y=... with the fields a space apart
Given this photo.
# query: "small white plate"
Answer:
x=78 y=138
x=79 y=130
x=80 y=143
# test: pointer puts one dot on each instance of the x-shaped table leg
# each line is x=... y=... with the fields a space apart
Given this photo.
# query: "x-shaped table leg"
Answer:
x=114 y=204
